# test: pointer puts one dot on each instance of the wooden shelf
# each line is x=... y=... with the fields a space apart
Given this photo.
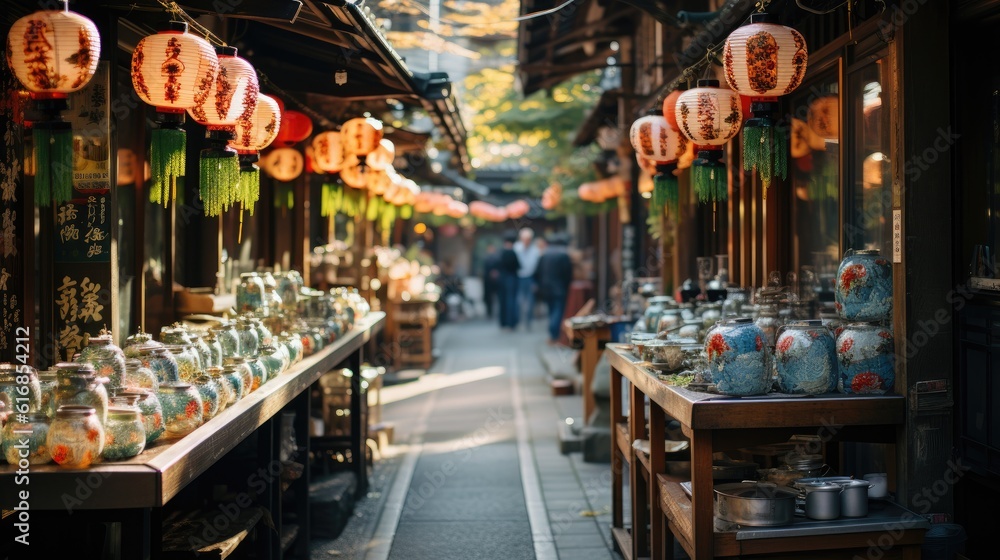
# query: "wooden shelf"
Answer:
x=623 y=440
x=186 y=538
x=289 y=533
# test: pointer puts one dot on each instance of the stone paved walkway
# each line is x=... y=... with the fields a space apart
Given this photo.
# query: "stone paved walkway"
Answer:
x=475 y=469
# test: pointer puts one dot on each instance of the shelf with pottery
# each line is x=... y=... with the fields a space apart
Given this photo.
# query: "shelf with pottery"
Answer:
x=154 y=477
x=714 y=422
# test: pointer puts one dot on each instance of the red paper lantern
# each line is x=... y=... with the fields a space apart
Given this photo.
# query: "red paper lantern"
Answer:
x=668 y=108
x=295 y=127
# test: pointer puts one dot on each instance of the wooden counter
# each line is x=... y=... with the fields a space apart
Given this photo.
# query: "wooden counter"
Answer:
x=719 y=423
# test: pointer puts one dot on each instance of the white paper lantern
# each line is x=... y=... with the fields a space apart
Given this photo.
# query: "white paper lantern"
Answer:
x=284 y=164
x=361 y=135
x=53 y=52
x=234 y=97
x=174 y=70
x=709 y=115
x=765 y=59
x=382 y=156
x=257 y=132
x=654 y=139
x=328 y=151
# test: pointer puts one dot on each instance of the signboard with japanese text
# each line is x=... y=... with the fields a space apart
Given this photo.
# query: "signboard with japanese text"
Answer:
x=83 y=264
x=13 y=222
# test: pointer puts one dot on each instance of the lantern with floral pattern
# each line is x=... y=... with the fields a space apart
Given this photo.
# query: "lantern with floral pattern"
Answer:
x=765 y=60
x=250 y=136
x=710 y=116
x=172 y=70
x=656 y=141
x=53 y=53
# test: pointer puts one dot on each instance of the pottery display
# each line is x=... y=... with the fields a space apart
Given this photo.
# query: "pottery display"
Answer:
x=867 y=364
x=738 y=357
x=863 y=290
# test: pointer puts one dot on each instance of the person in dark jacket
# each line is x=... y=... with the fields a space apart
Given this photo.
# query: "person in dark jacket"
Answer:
x=509 y=265
x=553 y=277
x=491 y=278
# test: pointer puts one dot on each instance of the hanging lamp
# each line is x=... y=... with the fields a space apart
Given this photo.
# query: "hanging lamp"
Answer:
x=172 y=70
x=382 y=156
x=328 y=151
x=53 y=53
x=232 y=101
x=765 y=60
x=655 y=140
x=709 y=116
x=251 y=135
x=361 y=136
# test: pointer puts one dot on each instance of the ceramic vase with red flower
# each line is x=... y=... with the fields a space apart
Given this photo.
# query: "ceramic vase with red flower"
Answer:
x=805 y=358
x=739 y=357
x=865 y=353
x=864 y=286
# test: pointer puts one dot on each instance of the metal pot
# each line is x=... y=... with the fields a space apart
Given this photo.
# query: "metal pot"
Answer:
x=823 y=500
x=854 y=498
x=733 y=470
x=754 y=504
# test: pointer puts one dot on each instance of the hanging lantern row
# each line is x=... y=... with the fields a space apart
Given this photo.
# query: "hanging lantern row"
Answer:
x=53 y=53
x=602 y=190
x=552 y=196
x=489 y=212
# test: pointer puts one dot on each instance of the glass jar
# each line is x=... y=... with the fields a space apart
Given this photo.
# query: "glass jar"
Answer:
x=76 y=436
x=228 y=339
x=215 y=348
x=188 y=362
x=769 y=320
x=24 y=438
x=272 y=299
x=176 y=335
x=293 y=344
x=272 y=360
x=250 y=293
x=259 y=373
x=204 y=351
x=227 y=394
x=124 y=433
x=208 y=389
x=136 y=341
x=249 y=339
x=236 y=378
x=139 y=377
x=48 y=382
x=79 y=386
x=151 y=411
x=264 y=335
x=161 y=362
x=289 y=284
x=182 y=408
x=108 y=361
x=19 y=385
x=864 y=286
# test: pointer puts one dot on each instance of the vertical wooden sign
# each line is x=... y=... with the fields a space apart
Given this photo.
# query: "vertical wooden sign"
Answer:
x=84 y=266
x=15 y=225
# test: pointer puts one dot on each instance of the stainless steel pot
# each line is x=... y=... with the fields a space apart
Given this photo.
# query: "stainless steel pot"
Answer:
x=754 y=504
x=854 y=498
x=822 y=500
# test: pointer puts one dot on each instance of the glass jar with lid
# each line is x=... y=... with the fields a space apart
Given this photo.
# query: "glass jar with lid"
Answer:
x=161 y=362
x=202 y=347
x=272 y=359
x=138 y=376
x=124 y=433
x=215 y=347
x=137 y=340
x=108 y=360
x=24 y=437
x=249 y=338
x=151 y=412
x=227 y=337
x=208 y=389
x=188 y=361
x=48 y=383
x=238 y=365
x=259 y=373
x=79 y=386
x=76 y=436
x=227 y=394
x=182 y=408
x=250 y=292
x=19 y=385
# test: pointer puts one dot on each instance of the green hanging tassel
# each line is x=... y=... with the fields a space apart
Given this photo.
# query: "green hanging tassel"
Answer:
x=708 y=176
x=765 y=146
x=284 y=196
x=167 y=161
x=406 y=212
x=248 y=186
x=374 y=209
x=666 y=191
x=53 y=153
x=219 y=181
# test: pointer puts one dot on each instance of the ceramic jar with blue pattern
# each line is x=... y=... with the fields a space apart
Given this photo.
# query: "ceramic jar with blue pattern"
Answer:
x=866 y=354
x=739 y=357
x=805 y=357
x=864 y=286
x=161 y=362
x=228 y=339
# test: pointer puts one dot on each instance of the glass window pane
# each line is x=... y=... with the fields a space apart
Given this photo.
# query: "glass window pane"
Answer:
x=868 y=209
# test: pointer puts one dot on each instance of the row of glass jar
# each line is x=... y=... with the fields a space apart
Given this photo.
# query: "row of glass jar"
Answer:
x=268 y=292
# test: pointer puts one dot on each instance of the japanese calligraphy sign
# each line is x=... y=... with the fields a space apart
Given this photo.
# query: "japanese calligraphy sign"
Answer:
x=13 y=220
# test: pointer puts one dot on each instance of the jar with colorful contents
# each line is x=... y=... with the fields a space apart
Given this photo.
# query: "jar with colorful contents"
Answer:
x=250 y=292
x=238 y=365
x=867 y=359
x=208 y=389
x=249 y=339
x=135 y=342
x=227 y=394
x=79 y=386
x=151 y=412
x=864 y=286
x=272 y=361
x=108 y=361
x=124 y=433
x=228 y=338
x=182 y=409
x=264 y=335
x=272 y=299
x=289 y=284
x=24 y=439
x=76 y=436
x=293 y=345
x=48 y=382
x=259 y=373
x=19 y=385
x=188 y=362
x=805 y=358
x=138 y=376
x=175 y=335
x=201 y=346
x=361 y=306
x=739 y=357
x=215 y=348
x=161 y=362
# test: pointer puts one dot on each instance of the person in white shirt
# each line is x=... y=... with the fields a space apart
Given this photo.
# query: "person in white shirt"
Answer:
x=528 y=254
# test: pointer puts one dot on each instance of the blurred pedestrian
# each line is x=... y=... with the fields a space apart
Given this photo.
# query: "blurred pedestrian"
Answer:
x=554 y=275
x=528 y=255
x=509 y=266
x=491 y=278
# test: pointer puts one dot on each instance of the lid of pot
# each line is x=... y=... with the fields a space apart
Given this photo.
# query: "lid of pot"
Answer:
x=855 y=484
x=822 y=487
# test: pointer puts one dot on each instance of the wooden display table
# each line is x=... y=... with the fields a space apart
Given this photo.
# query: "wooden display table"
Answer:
x=411 y=328
x=718 y=423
